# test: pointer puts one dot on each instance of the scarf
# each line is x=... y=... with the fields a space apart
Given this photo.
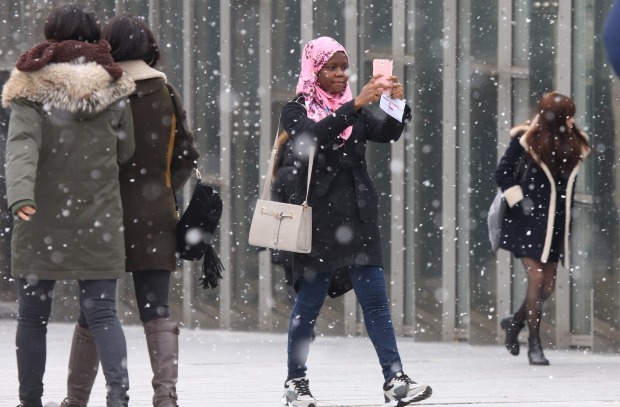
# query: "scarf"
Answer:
x=320 y=103
x=53 y=51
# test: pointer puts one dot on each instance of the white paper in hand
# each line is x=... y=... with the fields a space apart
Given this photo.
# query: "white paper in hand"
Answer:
x=393 y=107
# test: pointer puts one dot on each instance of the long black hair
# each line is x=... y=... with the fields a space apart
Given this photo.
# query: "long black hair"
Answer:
x=131 y=39
x=72 y=21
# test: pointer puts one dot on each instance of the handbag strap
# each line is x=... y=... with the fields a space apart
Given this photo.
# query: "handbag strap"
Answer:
x=274 y=155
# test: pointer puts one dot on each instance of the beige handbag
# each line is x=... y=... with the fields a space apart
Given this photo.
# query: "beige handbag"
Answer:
x=278 y=225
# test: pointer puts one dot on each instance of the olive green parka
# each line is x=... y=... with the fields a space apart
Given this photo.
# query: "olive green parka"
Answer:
x=70 y=127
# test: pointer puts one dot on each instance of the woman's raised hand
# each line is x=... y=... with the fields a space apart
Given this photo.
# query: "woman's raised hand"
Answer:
x=372 y=91
x=397 y=89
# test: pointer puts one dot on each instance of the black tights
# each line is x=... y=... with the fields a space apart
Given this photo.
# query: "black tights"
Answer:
x=152 y=287
x=540 y=286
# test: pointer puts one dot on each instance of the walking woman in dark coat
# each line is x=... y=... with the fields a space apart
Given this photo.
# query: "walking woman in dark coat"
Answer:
x=346 y=245
x=537 y=176
x=70 y=127
x=163 y=161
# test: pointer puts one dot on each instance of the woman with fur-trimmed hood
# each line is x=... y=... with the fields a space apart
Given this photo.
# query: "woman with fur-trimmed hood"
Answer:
x=537 y=177
x=70 y=128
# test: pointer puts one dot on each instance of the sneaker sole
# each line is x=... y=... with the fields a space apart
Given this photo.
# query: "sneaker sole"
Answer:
x=288 y=404
x=423 y=395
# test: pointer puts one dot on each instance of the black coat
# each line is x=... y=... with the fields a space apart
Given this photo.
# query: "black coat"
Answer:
x=343 y=199
x=538 y=204
x=283 y=189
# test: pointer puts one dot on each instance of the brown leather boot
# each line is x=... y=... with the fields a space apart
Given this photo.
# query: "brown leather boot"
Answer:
x=162 y=340
x=83 y=366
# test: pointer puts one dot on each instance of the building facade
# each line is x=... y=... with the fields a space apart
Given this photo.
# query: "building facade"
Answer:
x=471 y=68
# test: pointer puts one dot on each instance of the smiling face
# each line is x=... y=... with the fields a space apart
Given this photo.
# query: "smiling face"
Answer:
x=334 y=75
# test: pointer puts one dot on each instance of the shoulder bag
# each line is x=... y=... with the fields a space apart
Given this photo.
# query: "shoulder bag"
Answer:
x=279 y=225
x=495 y=217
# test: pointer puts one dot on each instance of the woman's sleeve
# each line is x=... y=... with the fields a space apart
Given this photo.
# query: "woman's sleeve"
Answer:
x=22 y=153
x=296 y=122
x=386 y=130
x=184 y=150
x=505 y=174
x=612 y=36
x=126 y=145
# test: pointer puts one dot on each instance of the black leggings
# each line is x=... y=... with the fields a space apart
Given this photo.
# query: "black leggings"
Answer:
x=152 y=288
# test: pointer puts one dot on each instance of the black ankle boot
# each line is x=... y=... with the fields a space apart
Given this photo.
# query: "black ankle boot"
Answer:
x=535 y=352
x=512 y=329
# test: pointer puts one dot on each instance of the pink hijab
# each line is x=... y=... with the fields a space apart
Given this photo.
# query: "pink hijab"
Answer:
x=320 y=103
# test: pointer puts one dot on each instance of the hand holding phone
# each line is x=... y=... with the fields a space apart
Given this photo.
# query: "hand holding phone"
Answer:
x=383 y=67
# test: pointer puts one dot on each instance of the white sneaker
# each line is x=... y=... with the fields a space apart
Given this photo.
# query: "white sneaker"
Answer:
x=297 y=393
x=402 y=391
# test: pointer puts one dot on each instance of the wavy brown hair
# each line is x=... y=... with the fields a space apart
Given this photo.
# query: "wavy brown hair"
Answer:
x=555 y=138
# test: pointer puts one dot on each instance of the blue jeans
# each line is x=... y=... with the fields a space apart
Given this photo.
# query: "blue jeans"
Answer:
x=97 y=303
x=370 y=289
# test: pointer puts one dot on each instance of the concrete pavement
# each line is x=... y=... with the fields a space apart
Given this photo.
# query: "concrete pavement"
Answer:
x=222 y=368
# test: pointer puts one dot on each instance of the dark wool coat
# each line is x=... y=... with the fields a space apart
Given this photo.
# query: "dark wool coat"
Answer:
x=70 y=125
x=285 y=175
x=533 y=199
x=343 y=199
x=163 y=161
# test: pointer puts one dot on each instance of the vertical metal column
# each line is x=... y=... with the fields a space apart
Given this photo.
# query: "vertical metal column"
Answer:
x=154 y=16
x=397 y=169
x=462 y=275
x=307 y=22
x=411 y=190
x=188 y=102
x=563 y=76
x=225 y=157
x=448 y=170
x=265 y=283
x=351 y=45
x=504 y=123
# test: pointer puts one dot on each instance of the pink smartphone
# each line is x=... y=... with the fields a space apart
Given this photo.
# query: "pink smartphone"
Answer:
x=384 y=67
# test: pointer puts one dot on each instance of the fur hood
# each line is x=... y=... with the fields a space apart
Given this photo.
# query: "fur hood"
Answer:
x=70 y=86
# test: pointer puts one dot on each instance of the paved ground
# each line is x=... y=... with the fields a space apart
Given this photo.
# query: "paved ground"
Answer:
x=221 y=368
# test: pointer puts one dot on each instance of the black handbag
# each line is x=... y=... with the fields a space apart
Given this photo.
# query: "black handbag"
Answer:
x=195 y=231
x=196 y=227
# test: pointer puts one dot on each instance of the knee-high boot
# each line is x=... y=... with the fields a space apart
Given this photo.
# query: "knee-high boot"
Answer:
x=83 y=366
x=162 y=339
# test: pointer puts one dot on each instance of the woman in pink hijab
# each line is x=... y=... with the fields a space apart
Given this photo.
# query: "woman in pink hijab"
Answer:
x=346 y=245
